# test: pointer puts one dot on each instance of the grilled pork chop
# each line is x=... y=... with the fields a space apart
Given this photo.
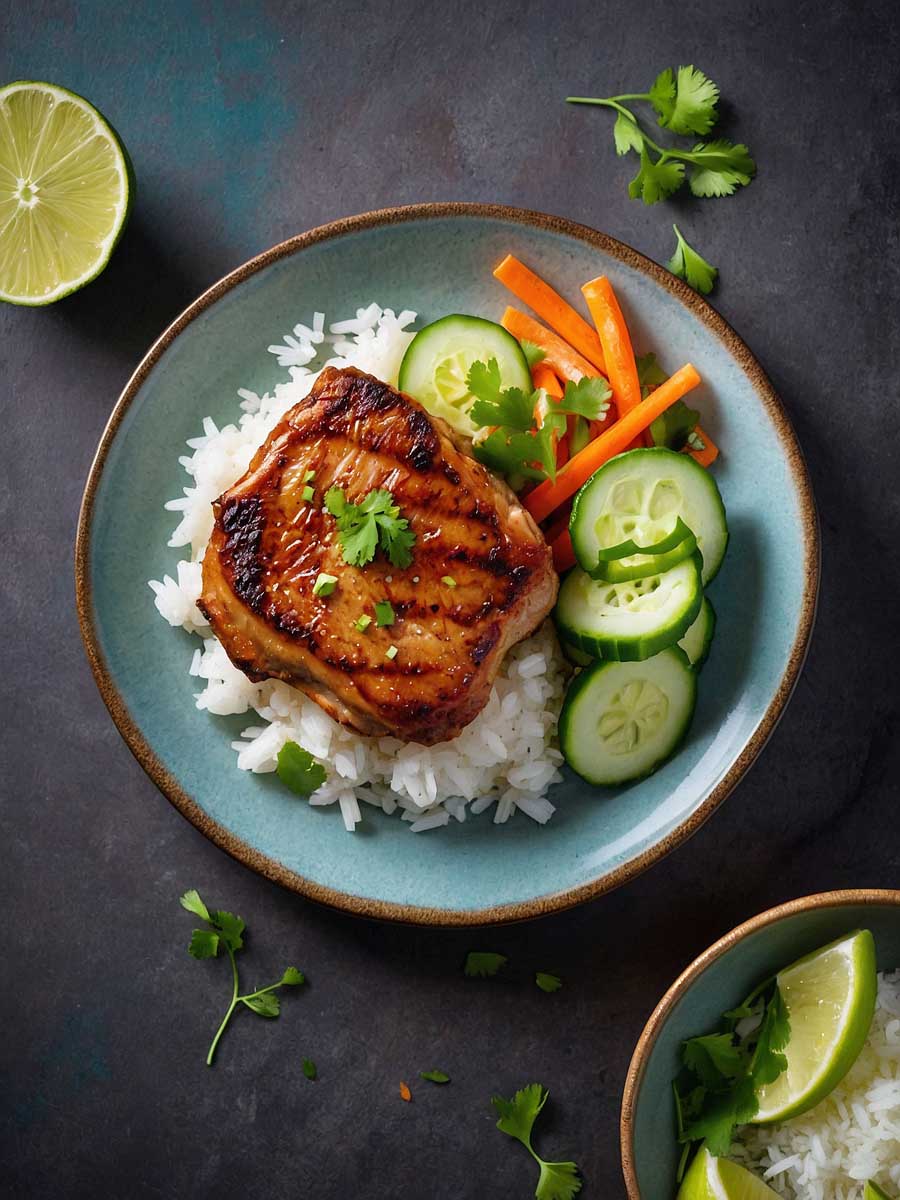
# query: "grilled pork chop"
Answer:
x=269 y=545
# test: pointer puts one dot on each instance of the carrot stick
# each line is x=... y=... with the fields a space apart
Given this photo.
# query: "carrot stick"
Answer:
x=558 y=524
x=544 y=377
x=550 y=307
x=563 y=554
x=549 y=495
x=561 y=358
x=614 y=337
x=707 y=456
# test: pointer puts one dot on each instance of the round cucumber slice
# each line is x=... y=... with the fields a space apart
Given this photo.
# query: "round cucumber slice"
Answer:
x=629 y=621
x=640 y=495
x=437 y=362
x=622 y=720
x=698 y=639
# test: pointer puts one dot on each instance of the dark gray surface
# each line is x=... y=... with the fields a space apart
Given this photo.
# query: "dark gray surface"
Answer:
x=251 y=122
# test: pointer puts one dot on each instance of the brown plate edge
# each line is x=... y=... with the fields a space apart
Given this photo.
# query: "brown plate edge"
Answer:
x=407 y=913
x=886 y=897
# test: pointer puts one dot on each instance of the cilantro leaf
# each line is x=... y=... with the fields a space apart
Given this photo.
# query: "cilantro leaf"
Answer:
x=309 y=1069
x=687 y=264
x=226 y=930
x=719 y=168
x=512 y=453
x=547 y=982
x=655 y=181
x=558 y=1180
x=650 y=373
x=230 y=928
x=674 y=427
x=512 y=409
x=686 y=104
x=204 y=943
x=192 y=902
x=586 y=398
x=714 y=1058
x=721 y=1112
x=374 y=522
x=266 y=1004
x=480 y=964
x=533 y=354
x=298 y=770
x=627 y=135
x=434 y=1076
x=773 y=1035
x=483 y=380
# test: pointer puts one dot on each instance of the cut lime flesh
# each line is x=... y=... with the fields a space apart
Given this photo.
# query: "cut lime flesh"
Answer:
x=830 y=1000
x=64 y=192
x=712 y=1178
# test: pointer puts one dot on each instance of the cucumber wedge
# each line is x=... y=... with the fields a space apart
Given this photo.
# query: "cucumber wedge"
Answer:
x=437 y=362
x=640 y=495
x=629 y=621
x=698 y=639
x=620 y=721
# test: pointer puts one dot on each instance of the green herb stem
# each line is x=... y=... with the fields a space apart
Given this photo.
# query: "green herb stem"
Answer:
x=231 y=1007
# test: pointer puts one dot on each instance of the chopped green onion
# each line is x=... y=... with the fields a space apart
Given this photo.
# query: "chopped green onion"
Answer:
x=325 y=584
x=448 y=580
x=363 y=623
x=308 y=493
x=384 y=613
x=392 y=652
x=309 y=476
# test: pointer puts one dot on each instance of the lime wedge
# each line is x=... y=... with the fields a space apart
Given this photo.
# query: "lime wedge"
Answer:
x=65 y=192
x=719 y=1179
x=874 y=1192
x=830 y=999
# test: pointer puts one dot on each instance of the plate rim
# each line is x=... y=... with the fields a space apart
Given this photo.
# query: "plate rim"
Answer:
x=637 y=1067
x=537 y=906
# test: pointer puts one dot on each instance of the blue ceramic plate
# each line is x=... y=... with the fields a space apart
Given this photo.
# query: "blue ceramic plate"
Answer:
x=438 y=259
x=718 y=980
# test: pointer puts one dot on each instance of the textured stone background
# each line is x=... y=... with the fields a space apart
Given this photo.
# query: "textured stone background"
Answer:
x=249 y=122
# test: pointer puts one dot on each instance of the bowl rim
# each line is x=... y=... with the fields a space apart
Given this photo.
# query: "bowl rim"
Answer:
x=876 y=897
x=536 y=906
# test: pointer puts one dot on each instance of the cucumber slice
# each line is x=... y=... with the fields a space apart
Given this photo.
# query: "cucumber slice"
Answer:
x=698 y=639
x=437 y=362
x=620 y=721
x=629 y=621
x=639 y=495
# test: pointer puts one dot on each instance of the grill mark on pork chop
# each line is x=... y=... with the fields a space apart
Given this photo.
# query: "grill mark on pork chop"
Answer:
x=243 y=522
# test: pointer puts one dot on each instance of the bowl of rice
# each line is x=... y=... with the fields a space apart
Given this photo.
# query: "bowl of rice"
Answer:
x=490 y=826
x=826 y=1153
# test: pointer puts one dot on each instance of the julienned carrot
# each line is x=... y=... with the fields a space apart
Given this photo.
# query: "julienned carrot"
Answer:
x=561 y=358
x=544 y=377
x=550 y=307
x=549 y=495
x=558 y=523
x=708 y=455
x=621 y=369
x=563 y=554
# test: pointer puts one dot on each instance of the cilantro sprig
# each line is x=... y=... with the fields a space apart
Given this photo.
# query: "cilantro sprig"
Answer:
x=676 y=428
x=223 y=930
x=517 y=447
x=722 y=1072
x=375 y=523
x=685 y=103
x=557 y=1180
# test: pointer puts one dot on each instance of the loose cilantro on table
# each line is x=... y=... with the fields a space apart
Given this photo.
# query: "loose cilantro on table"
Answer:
x=298 y=770
x=516 y=447
x=716 y=1088
x=690 y=266
x=434 y=1076
x=309 y=1069
x=375 y=523
x=223 y=930
x=685 y=103
x=547 y=982
x=480 y=964
x=557 y=1180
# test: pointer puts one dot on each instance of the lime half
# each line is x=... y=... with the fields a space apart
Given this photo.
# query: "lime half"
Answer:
x=874 y=1192
x=719 y=1179
x=65 y=192
x=830 y=999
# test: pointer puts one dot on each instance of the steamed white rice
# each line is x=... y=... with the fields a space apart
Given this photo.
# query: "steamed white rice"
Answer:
x=853 y=1135
x=506 y=759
